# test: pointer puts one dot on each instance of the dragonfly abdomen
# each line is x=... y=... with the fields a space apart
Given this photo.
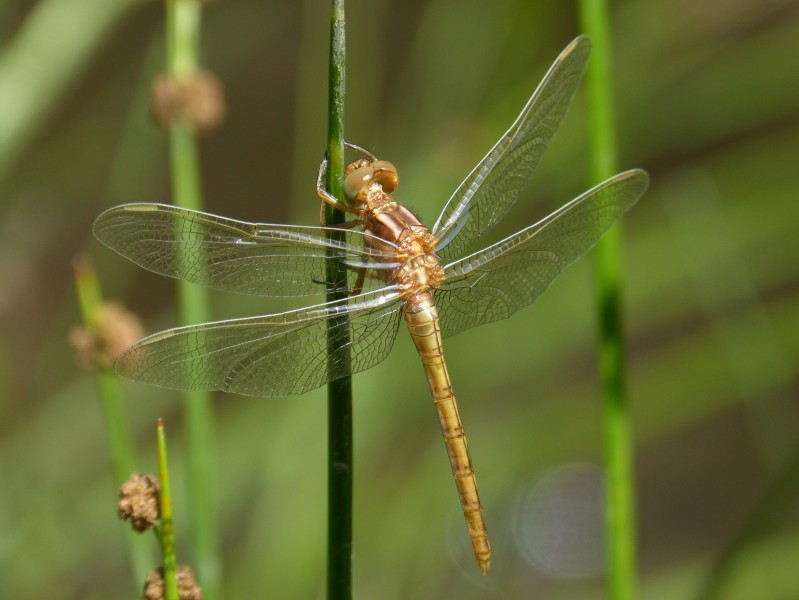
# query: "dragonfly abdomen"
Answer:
x=421 y=316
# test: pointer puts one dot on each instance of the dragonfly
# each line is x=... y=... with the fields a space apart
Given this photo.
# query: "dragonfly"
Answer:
x=394 y=268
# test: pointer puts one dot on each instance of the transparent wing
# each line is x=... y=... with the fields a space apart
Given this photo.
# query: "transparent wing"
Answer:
x=229 y=255
x=269 y=356
x=496 y=282
x=489 y=191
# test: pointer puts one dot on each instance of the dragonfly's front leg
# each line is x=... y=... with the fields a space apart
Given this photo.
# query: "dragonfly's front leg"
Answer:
x=371 y=157
x=326 y=196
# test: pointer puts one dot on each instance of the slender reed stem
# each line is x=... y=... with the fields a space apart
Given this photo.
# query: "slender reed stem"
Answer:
x=339 y=392
x=183 y=34
x=167 y=537
x=616 y=428
x=90 y=299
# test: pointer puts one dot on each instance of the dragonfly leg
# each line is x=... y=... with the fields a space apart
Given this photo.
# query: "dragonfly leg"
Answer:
x=363 y=274
x=363 y=151
x=326 y=196
x=359 y=282
x=357 y=289
x=345 y=225
x=329 y=198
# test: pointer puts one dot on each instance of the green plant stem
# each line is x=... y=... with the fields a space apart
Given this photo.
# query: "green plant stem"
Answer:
x=616 y=427
x=90 y=299
x=339 y=392
x=183 y=23
x=167 y=537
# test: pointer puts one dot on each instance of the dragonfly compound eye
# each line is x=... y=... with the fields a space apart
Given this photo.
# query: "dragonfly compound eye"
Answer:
x=356 y=180
x=386 y=175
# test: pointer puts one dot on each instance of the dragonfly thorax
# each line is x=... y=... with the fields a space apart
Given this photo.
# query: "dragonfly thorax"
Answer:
x=398 y=235
x=418 y=275
x=420 y=270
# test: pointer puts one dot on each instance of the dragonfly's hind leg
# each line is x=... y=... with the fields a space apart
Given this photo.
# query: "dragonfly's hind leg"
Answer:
x=357 y=289
x=359 y=282
x=363 y=274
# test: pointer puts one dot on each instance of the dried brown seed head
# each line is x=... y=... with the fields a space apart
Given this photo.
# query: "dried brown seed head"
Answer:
x=117 y=329
x=138 y=502
x=197 y=98
x=187 y=585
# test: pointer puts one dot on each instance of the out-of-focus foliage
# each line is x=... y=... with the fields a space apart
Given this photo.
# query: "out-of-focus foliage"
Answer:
x=708 y=101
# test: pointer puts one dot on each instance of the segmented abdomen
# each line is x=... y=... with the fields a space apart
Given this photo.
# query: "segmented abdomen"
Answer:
x=422 y=318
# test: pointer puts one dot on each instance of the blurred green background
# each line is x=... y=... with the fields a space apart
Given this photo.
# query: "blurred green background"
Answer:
x=708 y=102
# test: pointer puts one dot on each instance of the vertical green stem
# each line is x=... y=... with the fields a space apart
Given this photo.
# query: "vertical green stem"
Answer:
x=183 y=28
x=339 y=392
x=90 y=299
x=616 y=427
x=170 y=563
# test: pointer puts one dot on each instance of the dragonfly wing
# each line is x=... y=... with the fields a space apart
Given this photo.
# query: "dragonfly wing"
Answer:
x=496 y=282
x=229 y=255
x=489 y=191
x=273 y=355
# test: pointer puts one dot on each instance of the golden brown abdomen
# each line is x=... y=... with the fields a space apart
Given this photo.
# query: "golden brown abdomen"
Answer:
x=422 y=318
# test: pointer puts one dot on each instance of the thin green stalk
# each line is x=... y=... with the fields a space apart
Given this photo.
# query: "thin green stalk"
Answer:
x=90 y=299
x=616 y=427
x=183 y=27
x=339 y=392
x=167 y=537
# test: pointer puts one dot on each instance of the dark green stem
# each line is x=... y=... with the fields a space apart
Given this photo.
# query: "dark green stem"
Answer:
x=339 y=391
x=183 y=28
x=616 y=428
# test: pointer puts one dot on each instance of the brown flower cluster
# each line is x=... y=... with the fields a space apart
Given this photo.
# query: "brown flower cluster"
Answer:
x=187 y=585
x=139 y=502
x=117 y=330
x=197 y=98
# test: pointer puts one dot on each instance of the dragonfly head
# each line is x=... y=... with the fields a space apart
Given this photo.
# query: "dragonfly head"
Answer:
x=361 y=173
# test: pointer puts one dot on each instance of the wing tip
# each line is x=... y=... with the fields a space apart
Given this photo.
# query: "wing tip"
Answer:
x=581 y=40
x=581 y=45
x=107 y=217
x=636 y=176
